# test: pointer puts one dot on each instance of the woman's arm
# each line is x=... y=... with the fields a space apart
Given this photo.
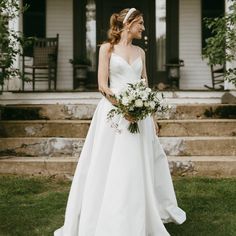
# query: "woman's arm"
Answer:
x=144 y=71
x=103 y=72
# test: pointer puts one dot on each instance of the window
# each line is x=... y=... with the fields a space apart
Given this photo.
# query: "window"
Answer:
x=91 y=33
x=161 y=34
x=34 y=19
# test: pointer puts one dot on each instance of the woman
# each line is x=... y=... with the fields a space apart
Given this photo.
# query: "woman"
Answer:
x=122 y=185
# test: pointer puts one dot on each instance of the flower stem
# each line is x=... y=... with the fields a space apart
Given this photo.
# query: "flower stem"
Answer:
x=133 y=128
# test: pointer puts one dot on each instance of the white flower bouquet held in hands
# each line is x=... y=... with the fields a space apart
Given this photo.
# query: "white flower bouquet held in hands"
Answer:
x=135 y=103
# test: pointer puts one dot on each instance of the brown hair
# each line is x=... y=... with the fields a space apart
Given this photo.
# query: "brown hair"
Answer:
x=116 y=25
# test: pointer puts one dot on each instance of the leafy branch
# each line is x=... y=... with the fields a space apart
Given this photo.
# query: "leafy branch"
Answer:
x=10 y=40
x=221 y=47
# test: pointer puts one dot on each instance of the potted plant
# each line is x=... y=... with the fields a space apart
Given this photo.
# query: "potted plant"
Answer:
x=80 y=68
x=173 y=70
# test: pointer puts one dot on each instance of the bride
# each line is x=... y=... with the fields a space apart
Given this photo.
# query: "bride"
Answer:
x=122 y=184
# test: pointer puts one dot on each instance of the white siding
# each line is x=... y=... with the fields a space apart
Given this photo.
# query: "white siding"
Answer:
x=196 y=73
x=60 y=20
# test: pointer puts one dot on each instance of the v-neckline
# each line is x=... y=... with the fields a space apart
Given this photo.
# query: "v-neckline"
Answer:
x=130 y=64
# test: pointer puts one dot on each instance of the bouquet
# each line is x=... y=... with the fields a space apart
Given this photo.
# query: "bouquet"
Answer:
x=137 y=101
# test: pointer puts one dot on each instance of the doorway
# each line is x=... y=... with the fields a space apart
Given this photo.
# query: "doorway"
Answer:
x=96 y=14
x=105 y=8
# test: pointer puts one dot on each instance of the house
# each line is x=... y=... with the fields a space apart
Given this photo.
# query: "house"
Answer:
x=37 y=129
x=174 y=30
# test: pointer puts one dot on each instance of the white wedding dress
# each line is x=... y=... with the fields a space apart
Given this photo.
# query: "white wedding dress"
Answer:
x=122 y=185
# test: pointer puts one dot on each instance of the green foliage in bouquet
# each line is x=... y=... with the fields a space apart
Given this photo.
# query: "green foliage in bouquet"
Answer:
x=137 y=101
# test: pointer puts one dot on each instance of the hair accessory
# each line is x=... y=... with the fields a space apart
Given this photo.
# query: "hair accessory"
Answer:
x=131 y=10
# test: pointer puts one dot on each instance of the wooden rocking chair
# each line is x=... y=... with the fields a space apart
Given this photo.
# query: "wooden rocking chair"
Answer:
x=217 y=77
x=44 y=62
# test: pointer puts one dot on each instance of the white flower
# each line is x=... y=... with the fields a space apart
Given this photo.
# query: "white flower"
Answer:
x=131 y=97
x=131 y=108
x=144 y=95
x=125 y=101
x=139 y=103
x=152 y=104
x=146 y=104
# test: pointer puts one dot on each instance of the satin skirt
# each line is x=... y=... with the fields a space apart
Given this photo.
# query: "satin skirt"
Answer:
x=122 y=184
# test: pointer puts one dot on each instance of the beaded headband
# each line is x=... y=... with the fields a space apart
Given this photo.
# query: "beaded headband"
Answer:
x=131 y=10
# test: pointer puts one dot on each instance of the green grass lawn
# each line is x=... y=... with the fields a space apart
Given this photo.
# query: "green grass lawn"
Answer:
x=35 y=206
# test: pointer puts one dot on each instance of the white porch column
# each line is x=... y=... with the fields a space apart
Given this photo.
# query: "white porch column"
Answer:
x=227 y=84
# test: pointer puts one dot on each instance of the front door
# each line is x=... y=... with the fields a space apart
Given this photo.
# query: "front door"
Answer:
x=160 y=38
x=104 y=9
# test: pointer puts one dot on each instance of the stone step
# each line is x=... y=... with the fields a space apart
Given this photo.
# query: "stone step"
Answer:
x=173 y=97
x=206 y=127
x=45 y=128
x=200 y=111
x=173 y=146
x=51 y=97
x=85 y=112
x=38 y=147
x=79 y=128
x=213 y=166
x=38 y=166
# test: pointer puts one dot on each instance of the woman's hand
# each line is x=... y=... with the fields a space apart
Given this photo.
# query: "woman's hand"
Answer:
x=109 y=95
x=130 y=118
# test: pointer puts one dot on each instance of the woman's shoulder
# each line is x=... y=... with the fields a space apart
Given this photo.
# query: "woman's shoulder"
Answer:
x=140 y=50
x=105 y=47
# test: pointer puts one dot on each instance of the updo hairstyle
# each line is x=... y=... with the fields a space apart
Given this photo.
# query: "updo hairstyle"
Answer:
x=117 y=26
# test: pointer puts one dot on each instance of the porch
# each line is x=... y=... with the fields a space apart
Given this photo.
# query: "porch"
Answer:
x=174 y=30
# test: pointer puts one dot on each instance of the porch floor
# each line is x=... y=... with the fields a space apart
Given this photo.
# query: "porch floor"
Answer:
x=75 y=97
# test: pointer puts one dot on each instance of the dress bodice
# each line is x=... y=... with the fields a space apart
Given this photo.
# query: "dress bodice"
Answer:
x=121 y=72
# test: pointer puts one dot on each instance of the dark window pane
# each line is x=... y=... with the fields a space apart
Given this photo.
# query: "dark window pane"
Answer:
x=34 y=19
